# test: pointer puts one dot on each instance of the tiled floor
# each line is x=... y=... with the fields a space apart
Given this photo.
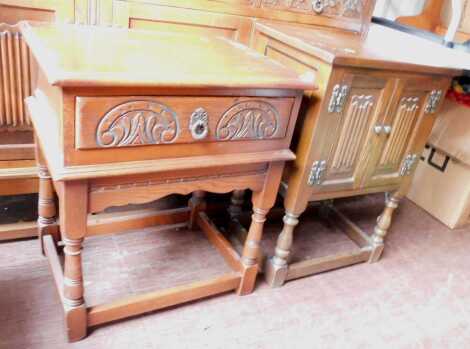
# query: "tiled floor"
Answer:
x=417 y=296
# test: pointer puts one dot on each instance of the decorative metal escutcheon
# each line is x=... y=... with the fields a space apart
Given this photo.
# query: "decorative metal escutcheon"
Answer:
x=433 y=101
x=318 y=6
x=199 y=124
x=316 y=173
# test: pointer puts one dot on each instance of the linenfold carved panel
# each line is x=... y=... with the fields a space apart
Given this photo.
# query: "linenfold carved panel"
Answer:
x=15 y=83
x=251 y=119
x=354 y=131
x=137 y=123
x=403 y=124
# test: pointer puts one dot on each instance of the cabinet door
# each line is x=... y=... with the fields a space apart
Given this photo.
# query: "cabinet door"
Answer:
x=414 y=99
x=344 y=130
x=183 y=20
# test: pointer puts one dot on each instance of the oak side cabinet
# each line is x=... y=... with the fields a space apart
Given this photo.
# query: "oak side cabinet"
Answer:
x=361 y=132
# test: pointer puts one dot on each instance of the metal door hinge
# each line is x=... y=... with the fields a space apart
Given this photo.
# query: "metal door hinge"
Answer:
x=433 y=101
x=408 y=164
x=338 y=98
x=317 y=172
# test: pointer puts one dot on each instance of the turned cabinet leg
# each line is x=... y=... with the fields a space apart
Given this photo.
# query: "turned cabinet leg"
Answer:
x=325 y=208
x=383 y=224
x=251 y=251
x=46 y=207
x=74 y=304
x=236 y=202
x=277 y=266
x=262 y=202
x=196 y=204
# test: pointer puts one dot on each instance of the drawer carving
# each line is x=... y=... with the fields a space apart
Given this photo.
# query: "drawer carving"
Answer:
x=108 y=122
x=253 y=119
x=346 y=8
x=137 y=122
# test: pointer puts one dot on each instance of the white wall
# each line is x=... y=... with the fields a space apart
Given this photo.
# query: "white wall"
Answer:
x=393 y=8
x=465 y=22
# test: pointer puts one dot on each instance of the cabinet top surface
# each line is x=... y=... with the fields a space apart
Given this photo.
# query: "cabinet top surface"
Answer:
x=73 y=55
x=382 y=48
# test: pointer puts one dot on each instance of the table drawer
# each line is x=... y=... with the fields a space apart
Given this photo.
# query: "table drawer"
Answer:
x=106 y=122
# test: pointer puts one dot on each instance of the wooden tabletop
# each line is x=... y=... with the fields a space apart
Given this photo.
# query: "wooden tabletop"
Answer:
x=77 y=55
x=382 y=48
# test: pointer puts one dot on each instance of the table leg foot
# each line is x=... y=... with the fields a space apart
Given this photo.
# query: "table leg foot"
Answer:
x=274 y=274
x=251 y=250
x=277 y=266
x=76 y=322
x=247 y=283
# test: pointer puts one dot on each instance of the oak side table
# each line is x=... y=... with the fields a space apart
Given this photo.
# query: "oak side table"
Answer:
x=127 y=116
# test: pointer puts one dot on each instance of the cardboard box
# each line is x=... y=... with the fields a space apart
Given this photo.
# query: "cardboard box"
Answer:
x=441 y=184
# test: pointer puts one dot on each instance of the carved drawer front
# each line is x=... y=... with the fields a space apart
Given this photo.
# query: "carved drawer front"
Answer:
x=105 y=122
x=331 y=8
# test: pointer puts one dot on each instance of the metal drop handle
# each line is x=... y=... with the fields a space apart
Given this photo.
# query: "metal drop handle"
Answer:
x=199 y=124
x=318 y=6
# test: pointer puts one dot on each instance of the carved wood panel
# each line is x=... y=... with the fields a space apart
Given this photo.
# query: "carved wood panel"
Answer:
x=353 y=133
x=181 y=20
x=347 y=130
x=18 y=71
x=15 y=79
x=201 y=15
x=131 y=121
x=340 y=8
x=395 y=145
x=403 y=124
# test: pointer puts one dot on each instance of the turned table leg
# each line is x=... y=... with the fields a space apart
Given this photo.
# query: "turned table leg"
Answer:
x=383 y=224
x=277 y=266
x=46 y=207
x=251 y=251
x=236 y=202
x=46 y=201
x=73 y=222
x=74 y=303
x=235 y=228
x=262 y=202
x=196 y=204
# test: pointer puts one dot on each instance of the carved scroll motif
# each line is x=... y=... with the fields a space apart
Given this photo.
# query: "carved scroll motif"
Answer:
x=251 y=119
x=137 y=123
x=330 y=7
